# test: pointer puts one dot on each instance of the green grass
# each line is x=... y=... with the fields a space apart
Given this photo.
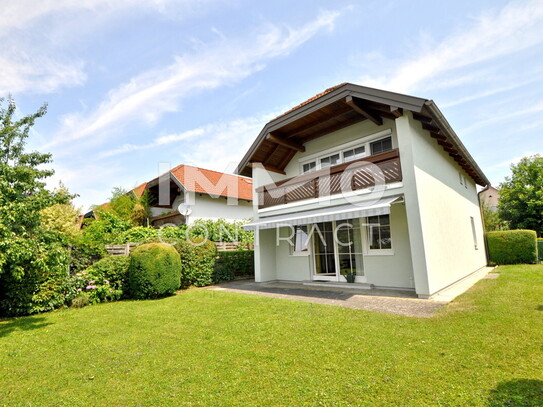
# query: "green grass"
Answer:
x=207 y=348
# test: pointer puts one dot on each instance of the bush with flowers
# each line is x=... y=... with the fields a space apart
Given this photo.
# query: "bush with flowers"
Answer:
x=105 y=280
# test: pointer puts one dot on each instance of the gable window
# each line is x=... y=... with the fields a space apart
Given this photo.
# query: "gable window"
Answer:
x=380 y=146
x=330 y=160
x=308 y=167
x=354 y=153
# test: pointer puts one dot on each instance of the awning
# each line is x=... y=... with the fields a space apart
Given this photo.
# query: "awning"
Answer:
x=381 y=207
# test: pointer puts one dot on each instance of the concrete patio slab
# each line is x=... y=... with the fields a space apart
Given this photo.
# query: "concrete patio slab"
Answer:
x=391 y=301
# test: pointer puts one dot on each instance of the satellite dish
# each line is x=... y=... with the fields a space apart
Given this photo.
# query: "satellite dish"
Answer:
x=184 y=210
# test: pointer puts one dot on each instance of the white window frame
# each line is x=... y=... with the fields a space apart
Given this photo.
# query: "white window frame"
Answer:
x=316 y=157
x=474 y=232
x=292 y=247
x=366 y=241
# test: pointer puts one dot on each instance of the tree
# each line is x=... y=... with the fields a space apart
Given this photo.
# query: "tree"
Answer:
x=62 y=217
x=31 y=257
x=127 y=205
x=521 y=200
x=492 y=219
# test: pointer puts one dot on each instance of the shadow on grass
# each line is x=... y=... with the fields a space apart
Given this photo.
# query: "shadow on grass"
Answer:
x=521 y=393
x=540 y=308
x=7 y=326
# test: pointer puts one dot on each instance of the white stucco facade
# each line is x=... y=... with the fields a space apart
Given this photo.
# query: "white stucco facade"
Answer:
x=436 y=226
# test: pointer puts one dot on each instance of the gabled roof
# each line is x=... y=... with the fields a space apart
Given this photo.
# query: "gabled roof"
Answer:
x=140 y=189
x=341 y=106
x=220 y=184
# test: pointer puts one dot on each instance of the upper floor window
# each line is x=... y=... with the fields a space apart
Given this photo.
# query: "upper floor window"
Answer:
x=308 y=167
x=347 y=154
x=330 y=160
x=380 y=146
x=354 y=153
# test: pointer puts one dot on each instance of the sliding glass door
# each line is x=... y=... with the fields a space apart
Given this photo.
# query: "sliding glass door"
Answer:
x=337 y=250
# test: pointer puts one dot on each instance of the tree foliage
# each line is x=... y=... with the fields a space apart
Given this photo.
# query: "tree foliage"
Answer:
x=62 y=217
x=492 y=219
x=33 y=259
x=521 y=201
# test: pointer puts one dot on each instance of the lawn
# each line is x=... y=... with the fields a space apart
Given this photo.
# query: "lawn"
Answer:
x=206 y=348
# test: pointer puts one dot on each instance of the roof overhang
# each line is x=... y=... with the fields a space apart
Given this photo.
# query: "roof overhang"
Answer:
x=342 y=106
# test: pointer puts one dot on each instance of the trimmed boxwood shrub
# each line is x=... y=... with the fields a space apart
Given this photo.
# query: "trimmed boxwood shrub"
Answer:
x=198 y=259
x=512 y=247
x=154 y=271
x=113 y=269
x=540 y=249
x=234 y=264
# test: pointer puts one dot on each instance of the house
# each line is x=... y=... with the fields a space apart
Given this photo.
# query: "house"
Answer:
x=490 y=197
x=187 y=193
x=368 y=183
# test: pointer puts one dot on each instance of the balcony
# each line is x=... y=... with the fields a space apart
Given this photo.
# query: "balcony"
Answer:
x=352 y=176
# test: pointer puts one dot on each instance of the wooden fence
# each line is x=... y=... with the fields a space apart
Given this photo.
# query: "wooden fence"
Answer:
x=125 y=249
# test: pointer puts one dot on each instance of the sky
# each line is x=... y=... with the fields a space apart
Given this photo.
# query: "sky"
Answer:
x=132 y=85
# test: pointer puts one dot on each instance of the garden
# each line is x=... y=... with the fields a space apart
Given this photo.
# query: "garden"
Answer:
x=50 y=257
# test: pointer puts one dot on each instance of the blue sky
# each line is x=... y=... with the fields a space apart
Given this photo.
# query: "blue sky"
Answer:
x=134 y=83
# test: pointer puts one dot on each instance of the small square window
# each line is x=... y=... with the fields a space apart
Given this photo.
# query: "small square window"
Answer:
x=308 y=167
x=329 y=161
x=354 y=154
x=380 y=146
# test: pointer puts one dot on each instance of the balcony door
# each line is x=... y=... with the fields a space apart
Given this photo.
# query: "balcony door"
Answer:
x=337 y=249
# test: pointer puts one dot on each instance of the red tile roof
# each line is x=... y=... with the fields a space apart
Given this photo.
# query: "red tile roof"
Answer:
x=219 y=183
x=311 y=99
x=140 y=189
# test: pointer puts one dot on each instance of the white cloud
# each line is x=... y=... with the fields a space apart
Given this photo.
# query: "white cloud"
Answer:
x=148 y=96
x=33 y=62
x=515 y=27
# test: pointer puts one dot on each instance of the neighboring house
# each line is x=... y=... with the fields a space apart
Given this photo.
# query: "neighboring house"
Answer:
x=419 y=229
x=199 y=194
x=490 y=196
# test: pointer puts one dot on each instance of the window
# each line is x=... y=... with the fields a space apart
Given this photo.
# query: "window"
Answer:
x=461 y=178
x=379 y=237
x=300 y=246
x=380 y=146
x=330 y=160
x=346 y=153
x=308 y=167
x=474 y=233
x=353 y=153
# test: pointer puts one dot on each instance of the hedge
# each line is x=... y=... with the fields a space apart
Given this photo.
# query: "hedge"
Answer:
x=234 y=264
x=113 y=269
x=540 y=249
x=512 y=247
x=198 y=258
x=154 y=271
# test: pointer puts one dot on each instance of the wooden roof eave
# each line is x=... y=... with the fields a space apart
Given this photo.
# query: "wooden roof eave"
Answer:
x=392 y=99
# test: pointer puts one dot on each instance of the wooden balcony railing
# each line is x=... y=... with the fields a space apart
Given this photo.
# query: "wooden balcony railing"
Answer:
x=351 y=176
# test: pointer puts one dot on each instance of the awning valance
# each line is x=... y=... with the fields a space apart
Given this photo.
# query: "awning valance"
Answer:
x=328 y=214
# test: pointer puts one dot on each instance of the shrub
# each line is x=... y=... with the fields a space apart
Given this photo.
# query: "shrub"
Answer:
x=234 y=264
x=220 y=231
x=154 y=271
x=113 y=269
x=540 y=249
x=43 y=285
x=138 y=234
x=512 y=247
x=198 y=259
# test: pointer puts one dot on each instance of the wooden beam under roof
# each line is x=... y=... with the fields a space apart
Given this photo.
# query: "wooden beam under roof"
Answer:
x=358 y=107
x=431 y=128
x=396 y=111
x=285 y=143
x=269 y=168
